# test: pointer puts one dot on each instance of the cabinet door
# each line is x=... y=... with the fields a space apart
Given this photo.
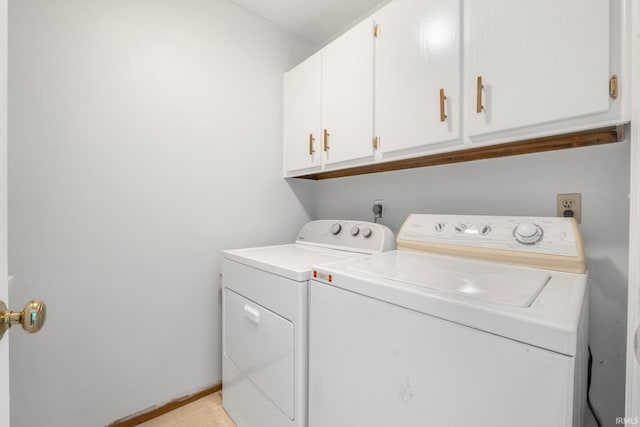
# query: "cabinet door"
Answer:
x=347 y=89
x=417 y=56
x=303 y=116
x=540 y=61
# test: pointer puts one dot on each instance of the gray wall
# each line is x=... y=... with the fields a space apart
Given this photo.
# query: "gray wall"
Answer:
x=525 y=185
x=144 y=138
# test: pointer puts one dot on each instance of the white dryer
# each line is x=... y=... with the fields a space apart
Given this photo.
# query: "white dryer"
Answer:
x=265 y=318
x=478 y=321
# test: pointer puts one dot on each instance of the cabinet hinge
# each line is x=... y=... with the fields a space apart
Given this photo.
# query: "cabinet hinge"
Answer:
x=376 y=142
x=613 y=87
x=376 y=30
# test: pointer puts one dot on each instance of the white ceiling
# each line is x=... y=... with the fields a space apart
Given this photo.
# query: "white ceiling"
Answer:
x=316 y=21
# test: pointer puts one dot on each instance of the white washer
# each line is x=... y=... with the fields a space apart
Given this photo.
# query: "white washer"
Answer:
x=478 y=321
x=265 y=343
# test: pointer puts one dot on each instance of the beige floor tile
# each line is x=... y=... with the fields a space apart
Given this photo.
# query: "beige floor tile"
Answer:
x=206 y=412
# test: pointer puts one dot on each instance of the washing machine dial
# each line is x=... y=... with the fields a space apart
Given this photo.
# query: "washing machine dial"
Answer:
x=336 y=228
x=527 y=233
x=439 y=227
x=367 y=232
x=460 y=228
x=354 y=231
x=486 y=229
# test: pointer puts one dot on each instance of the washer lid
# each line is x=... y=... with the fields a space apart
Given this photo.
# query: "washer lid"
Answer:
x=500 y=283
x=551 y=321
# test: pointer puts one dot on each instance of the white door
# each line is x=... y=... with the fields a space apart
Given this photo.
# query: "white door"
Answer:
x=4 y=343
x=540 y=62
x=347 y=94
x=417 y=73
x=632 y=410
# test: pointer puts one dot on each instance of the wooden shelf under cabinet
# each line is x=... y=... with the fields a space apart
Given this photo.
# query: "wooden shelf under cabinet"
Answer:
x=586 y=138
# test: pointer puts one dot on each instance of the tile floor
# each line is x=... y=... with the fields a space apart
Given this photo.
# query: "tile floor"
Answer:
x=206 y=412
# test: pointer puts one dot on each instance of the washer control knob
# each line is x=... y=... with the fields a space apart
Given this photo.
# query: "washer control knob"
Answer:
x=460 y=228
x=527 y=233
x=439 y=227
x=354 y=231
x=486 y=229
x=336 y=228
x=367 y=232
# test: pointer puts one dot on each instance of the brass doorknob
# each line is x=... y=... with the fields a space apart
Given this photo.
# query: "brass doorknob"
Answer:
x=31 y=317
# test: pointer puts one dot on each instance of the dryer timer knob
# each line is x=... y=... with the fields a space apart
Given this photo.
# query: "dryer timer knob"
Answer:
x=367 y=232
x=336 y=228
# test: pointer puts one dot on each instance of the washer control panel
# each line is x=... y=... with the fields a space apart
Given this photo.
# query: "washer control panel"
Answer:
x=358 y=236
x=542 y=235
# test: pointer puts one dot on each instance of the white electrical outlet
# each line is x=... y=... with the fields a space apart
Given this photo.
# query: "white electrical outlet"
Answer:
x=570 y=205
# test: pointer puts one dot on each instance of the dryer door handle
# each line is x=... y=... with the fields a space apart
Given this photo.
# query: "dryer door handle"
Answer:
x=251 y=314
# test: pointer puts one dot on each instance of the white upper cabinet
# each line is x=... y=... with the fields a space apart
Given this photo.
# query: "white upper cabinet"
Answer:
x=347 y=95
x=448 y=75
x=303 y=116
x=417 y=75
x=530 y=63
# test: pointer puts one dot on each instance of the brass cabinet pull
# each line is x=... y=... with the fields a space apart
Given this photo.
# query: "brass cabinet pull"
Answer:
x=443 y=115
x=479 y=106
x=326 y=140
x=613 y=87
x=311 y=139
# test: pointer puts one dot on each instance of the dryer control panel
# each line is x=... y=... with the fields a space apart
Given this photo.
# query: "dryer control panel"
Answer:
x=516 y=240
x=355 y=236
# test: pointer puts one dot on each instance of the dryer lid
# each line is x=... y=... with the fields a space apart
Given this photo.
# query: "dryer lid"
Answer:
x=501 y=283
x=291 y=261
